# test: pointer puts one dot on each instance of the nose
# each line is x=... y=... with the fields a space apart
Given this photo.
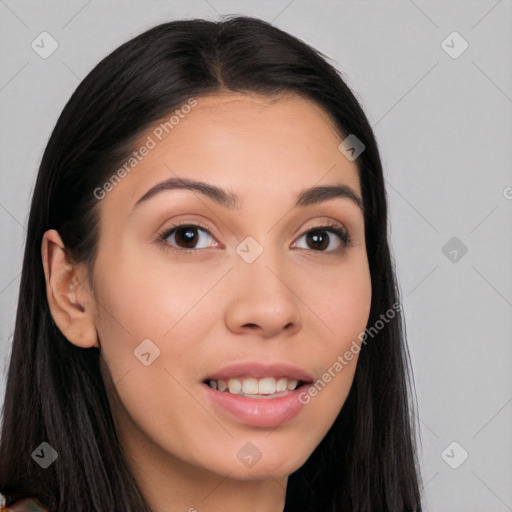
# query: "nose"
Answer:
x=262 y=299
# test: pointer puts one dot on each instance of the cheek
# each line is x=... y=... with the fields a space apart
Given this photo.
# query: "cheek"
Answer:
x=342 y=301
x=343 y=304
x=163 y=305
x=139 y=301
x=149 y=298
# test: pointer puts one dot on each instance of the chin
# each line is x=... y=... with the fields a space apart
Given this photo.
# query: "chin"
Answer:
x=274 y=466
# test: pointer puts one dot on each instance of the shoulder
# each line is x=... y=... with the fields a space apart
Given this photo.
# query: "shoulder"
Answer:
x=23 y=505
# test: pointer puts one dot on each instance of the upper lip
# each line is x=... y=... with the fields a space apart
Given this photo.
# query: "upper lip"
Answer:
x=259 y=370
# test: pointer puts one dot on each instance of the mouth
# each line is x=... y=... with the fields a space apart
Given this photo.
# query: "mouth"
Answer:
x=257 y=394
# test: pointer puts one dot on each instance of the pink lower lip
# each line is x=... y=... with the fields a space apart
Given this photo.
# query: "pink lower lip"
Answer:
x=258 y=412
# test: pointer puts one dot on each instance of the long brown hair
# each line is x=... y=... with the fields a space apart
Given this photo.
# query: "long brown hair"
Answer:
x=55 y=393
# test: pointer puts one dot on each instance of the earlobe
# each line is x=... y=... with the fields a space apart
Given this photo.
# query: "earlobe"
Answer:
x=71 y=303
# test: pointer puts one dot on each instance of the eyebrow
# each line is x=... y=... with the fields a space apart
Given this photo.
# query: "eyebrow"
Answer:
x=228 y=199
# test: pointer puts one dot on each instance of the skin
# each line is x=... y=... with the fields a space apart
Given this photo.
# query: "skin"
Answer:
x=294 y=303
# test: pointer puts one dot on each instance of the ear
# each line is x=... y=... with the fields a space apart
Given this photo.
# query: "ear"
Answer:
x=70 y=298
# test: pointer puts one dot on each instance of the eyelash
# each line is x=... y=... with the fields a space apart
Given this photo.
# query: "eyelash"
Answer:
x=330 y=228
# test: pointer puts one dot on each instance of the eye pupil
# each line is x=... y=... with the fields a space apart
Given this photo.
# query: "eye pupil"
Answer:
x=318 y=237
x=189 y=235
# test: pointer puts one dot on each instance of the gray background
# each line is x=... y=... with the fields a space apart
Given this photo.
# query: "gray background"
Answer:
x=444 y=128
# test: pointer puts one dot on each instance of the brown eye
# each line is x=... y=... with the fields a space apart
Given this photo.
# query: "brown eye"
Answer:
x=320 y=238
x=186 y=237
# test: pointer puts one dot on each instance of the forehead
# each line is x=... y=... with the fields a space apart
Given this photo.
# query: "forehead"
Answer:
x=228 y=104
x=240 y=141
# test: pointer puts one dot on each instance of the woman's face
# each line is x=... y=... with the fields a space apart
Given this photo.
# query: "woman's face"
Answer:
x=264 y=296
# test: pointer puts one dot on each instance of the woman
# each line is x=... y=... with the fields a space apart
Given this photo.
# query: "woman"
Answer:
x=208 y=315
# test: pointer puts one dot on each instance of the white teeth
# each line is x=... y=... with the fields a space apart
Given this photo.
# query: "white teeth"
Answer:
x=253 y=386
x=267 y=386
x=281 y=385
x=249 y=386
x=292 y=384
x=235 y=386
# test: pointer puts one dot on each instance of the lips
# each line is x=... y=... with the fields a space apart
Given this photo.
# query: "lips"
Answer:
x=262 y=410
